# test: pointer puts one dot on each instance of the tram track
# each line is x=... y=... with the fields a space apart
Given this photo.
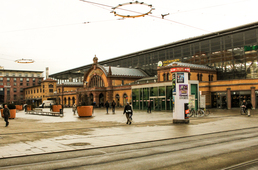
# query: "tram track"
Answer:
x=134 y=151
x=109 y=126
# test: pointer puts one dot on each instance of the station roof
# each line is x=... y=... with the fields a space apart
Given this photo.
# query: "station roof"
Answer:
x=122 y=71
x=79 y=71
x=196 y=66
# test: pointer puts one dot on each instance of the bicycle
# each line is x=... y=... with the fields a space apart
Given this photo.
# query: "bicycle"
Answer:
x=192 y=113
x=203 y=112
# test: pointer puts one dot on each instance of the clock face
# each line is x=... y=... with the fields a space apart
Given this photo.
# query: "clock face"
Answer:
x=160 y=63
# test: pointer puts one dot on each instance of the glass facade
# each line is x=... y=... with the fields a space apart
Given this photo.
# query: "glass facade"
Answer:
x=160 y=97
x=234 y=55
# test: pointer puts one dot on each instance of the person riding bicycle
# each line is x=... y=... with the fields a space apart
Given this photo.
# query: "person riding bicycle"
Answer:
x=244 y=106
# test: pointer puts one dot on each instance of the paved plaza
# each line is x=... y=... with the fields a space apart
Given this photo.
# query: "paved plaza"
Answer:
x=35 y=134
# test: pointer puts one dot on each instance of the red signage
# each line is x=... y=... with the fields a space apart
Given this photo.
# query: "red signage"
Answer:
x=180 y=69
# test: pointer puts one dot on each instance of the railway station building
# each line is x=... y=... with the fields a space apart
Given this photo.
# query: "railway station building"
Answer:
x=224 y=68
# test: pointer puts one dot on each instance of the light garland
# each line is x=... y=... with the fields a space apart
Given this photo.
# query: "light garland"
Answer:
x=132 y=16
x=24 y=61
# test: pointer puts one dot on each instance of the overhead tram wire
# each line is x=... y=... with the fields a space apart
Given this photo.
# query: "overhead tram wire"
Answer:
x=94 y=3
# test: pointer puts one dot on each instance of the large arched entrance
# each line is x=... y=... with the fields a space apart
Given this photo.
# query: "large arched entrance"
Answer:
x=101 y=100
x=117 y=98
x=91 y=98
x=73 y=100
x=64 y=102
x=69 y=101
x=85 y=99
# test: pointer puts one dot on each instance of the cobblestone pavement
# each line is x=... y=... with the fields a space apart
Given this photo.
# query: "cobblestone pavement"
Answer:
x=35 y=134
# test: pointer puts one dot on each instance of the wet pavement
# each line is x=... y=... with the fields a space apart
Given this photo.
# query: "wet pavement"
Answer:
x=145 y=127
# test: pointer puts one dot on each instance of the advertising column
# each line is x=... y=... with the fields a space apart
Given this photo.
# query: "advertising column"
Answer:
x=181 y=94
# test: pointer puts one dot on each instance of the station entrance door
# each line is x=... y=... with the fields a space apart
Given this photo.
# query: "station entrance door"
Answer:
x=158 y=103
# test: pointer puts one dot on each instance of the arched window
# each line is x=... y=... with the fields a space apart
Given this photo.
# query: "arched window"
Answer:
x=96 y=81
x=50 y=86
x=167 y=76
x=164 y=77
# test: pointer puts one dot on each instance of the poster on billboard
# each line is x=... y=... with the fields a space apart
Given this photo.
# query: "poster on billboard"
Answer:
x=202 y=101
x=180 y=77
x=183 y=91
x=191 y=102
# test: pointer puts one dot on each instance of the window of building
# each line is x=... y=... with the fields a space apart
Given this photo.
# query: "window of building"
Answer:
x=167 y=76
x=33 y=84
x=51 y=90
x=38 y=75
x=21 y=84
x=21 y=90
x=1 y=78
x=0 y=73
x=32 y=75
x=26 y=74
x=1 y=83
x=14 y=84
x=14 y=97
x=33 y=79
x=20 y=74
x=7 y=74
x=14 y=89
x=8 y=79
x=199 y=77
x=21 y=97
x=8 y=91
x=21 y=79
x=8 y=84
x=28 y=84
x=34 y=91
x=28 y=80
x=123 y=82
x=164 y=77
x=43 y=86
x=96 y=81
x=14 y=79
x=1 y=89
x=50 y=86
x=37 y=90
x=13 y=74
x=43 y=91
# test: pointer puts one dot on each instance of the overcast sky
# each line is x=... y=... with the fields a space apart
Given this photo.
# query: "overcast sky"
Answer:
x=53 y=33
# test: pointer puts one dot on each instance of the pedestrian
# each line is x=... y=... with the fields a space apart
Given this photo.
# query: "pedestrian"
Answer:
x=113 y=104
x=107 y=105
x=74 y=108
x=6 y=113
x=244 y=106
x=129 y=113
x=249 y=106
x=149 y=107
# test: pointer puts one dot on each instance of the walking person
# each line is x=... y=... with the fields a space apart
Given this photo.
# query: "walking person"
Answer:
x=113 y=105
x=107 y=106
x=149 y=107
x=249 y=106
x=74 y=108
x=6 y=113
x=129 y=113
